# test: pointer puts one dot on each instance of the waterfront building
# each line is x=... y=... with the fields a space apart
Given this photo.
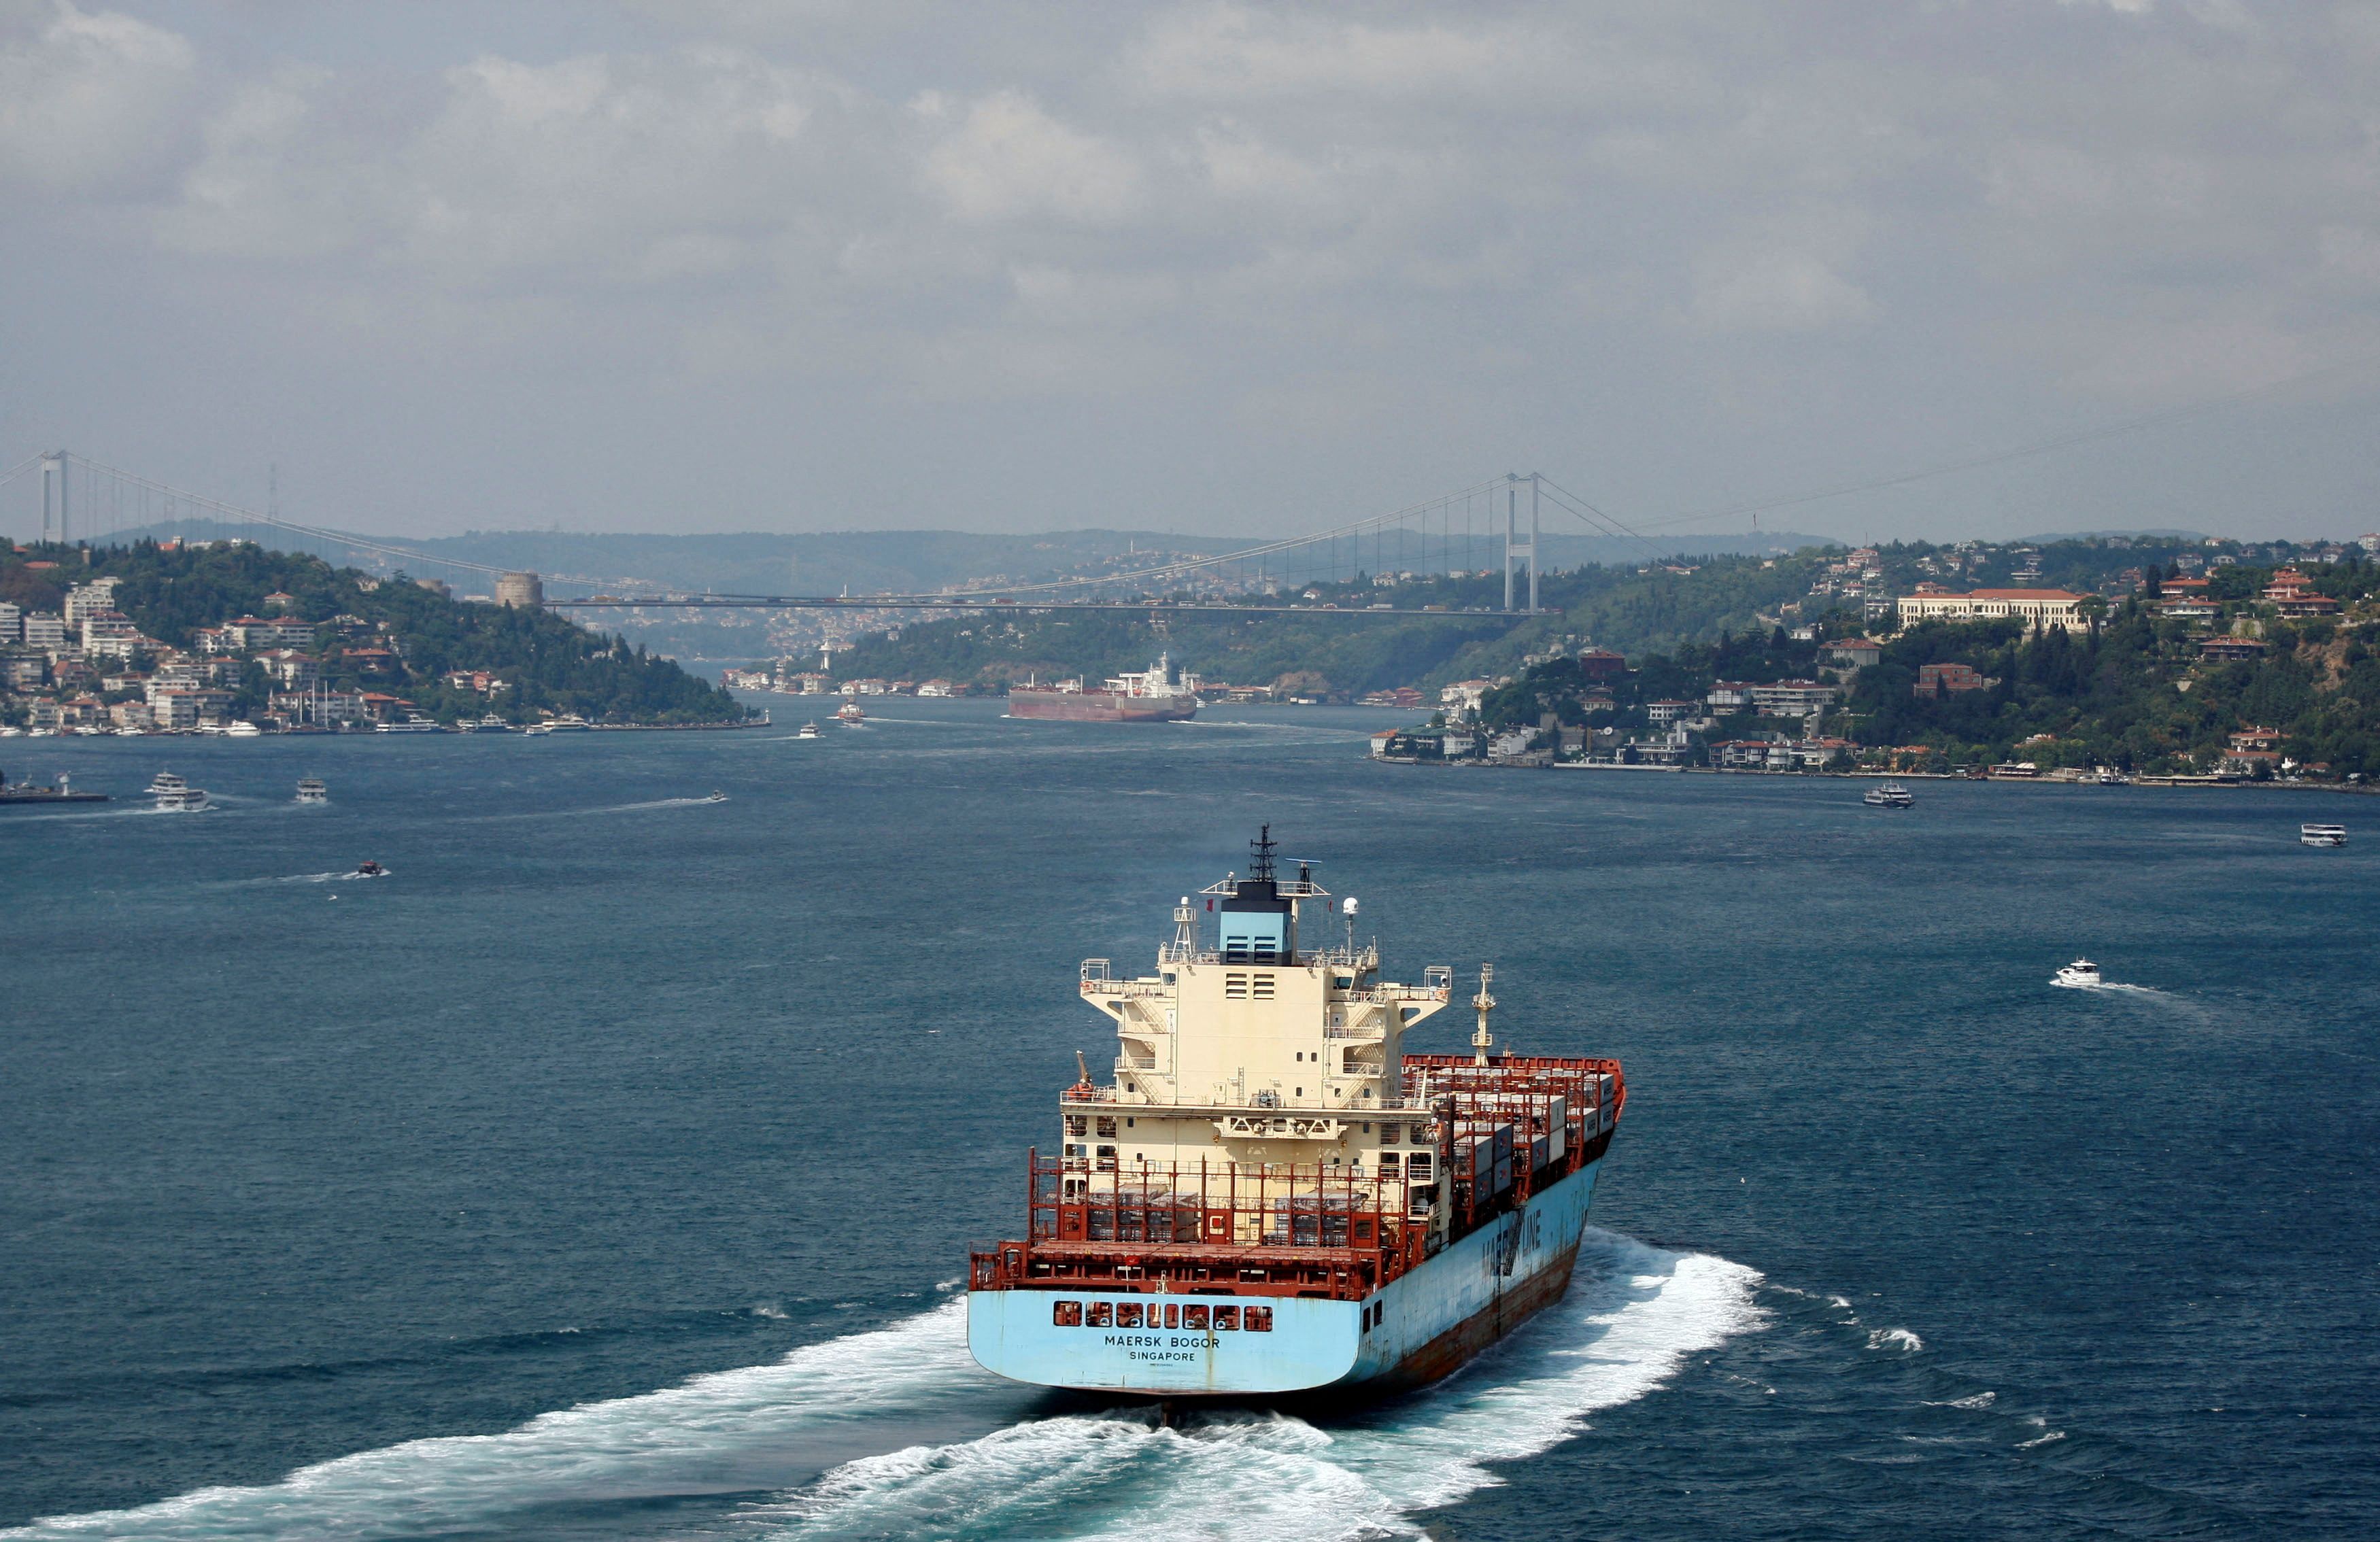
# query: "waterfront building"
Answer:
x=297 y=671
x=1792 y=698
x=937 y=688
x=109 y=634
x=2043 y=608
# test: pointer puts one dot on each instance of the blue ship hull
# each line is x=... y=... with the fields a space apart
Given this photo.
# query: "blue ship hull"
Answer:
x=1415 y=1329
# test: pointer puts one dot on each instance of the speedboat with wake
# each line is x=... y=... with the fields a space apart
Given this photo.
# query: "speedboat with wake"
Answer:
x=370 y=868
x=808 y=730
x=2080 y=975
x=850 y=715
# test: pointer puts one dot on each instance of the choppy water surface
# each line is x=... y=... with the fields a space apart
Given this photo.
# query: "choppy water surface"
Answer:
x=607 y=1168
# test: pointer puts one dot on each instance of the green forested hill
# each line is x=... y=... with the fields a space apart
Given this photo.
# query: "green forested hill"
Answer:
x=2135 y=691
x=550 y=662
x=1623 y=608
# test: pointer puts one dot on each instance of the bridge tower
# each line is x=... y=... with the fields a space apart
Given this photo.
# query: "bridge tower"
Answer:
x=53 y=471
x=1515 y=549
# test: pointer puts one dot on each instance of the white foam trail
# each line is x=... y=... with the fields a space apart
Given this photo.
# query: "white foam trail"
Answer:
x=824 y=1416
x=1631 y=1318
x=1895 y=1337
x=2106 y=985
x=732 y=1432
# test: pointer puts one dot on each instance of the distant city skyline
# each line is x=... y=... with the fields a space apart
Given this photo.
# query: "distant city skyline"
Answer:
x=1220 y=270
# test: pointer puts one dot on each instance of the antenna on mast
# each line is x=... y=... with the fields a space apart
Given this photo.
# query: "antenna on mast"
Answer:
x=1483 y=1003
x=1260 y=854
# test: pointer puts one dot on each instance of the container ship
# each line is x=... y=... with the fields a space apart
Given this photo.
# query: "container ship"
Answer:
x=1273 y=1198
x=1154 y=695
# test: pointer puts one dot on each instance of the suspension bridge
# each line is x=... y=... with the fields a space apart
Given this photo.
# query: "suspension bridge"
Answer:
x=1497 y=522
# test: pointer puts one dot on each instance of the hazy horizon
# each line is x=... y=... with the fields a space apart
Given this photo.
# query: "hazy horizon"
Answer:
x=1206 y=269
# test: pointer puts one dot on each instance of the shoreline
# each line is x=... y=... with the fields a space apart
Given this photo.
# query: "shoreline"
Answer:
x=2184 y=783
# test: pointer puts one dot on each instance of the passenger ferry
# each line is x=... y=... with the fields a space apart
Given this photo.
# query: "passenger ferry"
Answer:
x=175 y=795
x=1273 y=1198
x=1892 y=795
x=2322 y=835
x=313 y=789
x=808 y=730
x=850 y=715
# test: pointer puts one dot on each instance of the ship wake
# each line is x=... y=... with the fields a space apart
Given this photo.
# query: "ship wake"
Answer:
x=1635 y=1314
x=897 y=1433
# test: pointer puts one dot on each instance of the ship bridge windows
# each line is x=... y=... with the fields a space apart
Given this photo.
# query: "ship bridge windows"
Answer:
x=1078 y=1124
x=1106 y=1127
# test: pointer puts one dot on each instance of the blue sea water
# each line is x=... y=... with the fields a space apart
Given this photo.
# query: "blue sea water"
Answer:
x=606 y=1171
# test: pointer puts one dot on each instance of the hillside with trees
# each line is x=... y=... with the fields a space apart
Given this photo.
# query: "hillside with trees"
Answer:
x=380 y=635
x=2139 y=689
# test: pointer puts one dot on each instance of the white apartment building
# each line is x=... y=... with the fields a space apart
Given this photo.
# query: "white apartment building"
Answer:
x=12 y=623
x=45 y=630
x=1794 y=699
x=90 y=598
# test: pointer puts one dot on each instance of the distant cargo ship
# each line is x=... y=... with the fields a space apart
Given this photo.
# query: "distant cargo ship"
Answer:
x=1273 y=1198
x=1154 y=695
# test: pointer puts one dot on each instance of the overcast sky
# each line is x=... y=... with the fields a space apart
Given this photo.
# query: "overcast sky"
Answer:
x=816 y=264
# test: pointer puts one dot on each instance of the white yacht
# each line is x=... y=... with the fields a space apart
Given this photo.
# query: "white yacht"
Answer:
x=175 y=795
x=1892 y=795
x=243 y=729
x=2080 y=975
x=2322 y=835
x=312 y=789
x=492 y=724
x=808 y=730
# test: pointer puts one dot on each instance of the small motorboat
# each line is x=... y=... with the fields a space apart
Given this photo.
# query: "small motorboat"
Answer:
x=850 y=714
x=2080 y=975
x=313 y=789
x=370 y=868
x=1892 y=795
x=2322 y=835
x=716 y=796
x=808 y=730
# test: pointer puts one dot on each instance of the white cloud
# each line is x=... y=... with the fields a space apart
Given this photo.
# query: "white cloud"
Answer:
x=1011 y=159
x=86 y=99
x=1775 y=289
x=1231 y=51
